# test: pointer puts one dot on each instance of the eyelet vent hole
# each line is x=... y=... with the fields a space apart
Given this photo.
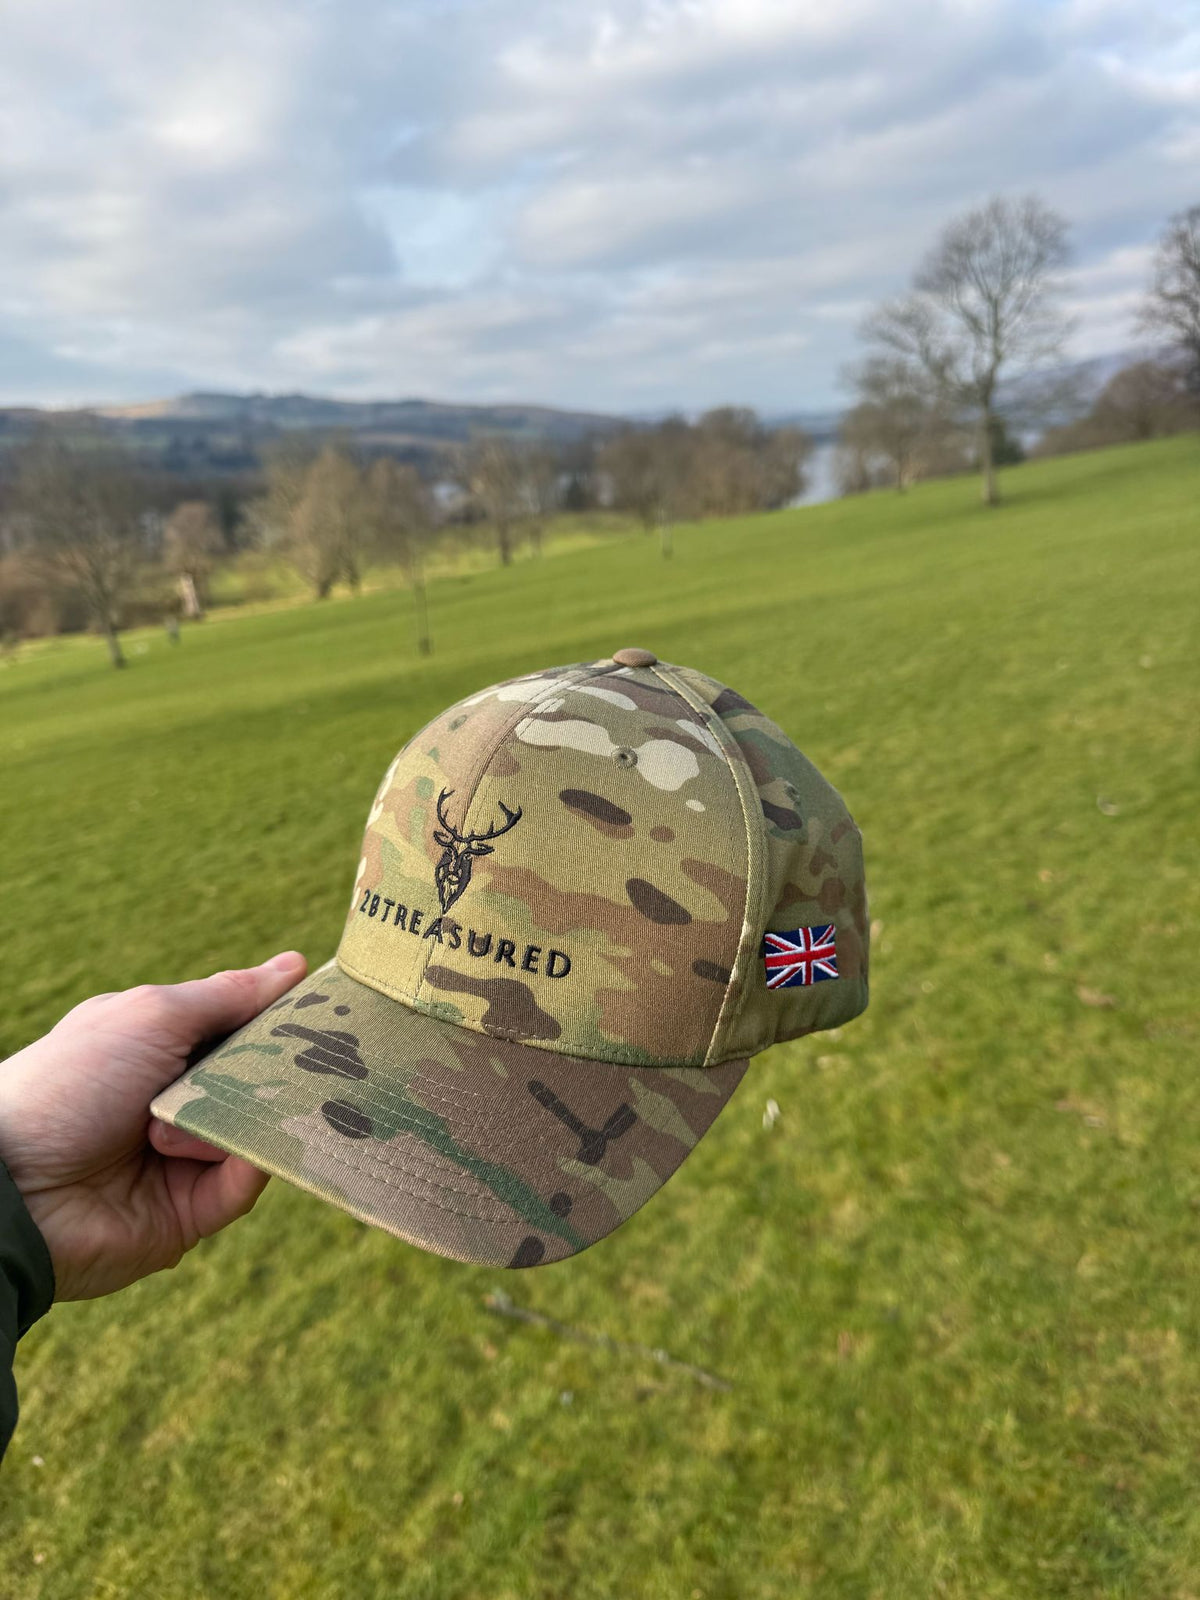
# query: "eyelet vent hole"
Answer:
x=625 y=758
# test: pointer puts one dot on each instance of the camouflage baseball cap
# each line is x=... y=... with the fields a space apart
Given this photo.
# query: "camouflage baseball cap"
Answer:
x=585 y=898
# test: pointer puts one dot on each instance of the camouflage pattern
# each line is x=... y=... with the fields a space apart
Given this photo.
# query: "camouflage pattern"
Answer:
x=564 y=882
x=664 y=824
x=476 y=1148
x=810 y=872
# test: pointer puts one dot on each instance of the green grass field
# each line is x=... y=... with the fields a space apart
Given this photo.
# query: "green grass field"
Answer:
x=956 y=1286
x=256 y=579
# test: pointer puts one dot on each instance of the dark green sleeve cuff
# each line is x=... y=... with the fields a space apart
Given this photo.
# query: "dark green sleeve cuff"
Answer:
x=25 y=1263
x=26 y=1290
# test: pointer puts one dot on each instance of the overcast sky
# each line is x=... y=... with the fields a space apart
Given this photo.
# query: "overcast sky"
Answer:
x=620 y=206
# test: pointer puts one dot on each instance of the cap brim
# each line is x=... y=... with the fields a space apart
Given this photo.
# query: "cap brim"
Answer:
x=477 y=1148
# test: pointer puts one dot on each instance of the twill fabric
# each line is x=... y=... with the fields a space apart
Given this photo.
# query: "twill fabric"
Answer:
x=551 y=975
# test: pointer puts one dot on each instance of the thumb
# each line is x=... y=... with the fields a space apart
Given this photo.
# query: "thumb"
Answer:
x=207 y=1196
x=206 y=1007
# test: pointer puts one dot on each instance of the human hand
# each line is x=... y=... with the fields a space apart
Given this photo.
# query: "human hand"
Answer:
x=116 y=1193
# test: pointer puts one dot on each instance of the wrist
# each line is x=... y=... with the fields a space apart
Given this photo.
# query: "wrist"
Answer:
x=19 y=1078
x=9 y=1148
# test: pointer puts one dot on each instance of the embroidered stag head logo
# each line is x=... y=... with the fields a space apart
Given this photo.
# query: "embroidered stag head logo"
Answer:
x=453 y=871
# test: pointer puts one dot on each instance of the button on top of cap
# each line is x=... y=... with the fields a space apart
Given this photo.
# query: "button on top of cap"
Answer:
x=635 y=658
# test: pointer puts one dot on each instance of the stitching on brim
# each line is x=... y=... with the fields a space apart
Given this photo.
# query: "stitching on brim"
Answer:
x=387 y=1098
x=378 y=1170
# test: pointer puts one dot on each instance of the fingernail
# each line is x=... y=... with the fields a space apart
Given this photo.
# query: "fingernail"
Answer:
x=285 y=961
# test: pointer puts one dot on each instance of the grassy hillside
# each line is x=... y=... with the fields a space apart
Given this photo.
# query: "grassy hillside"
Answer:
x=954 y=1286
x=256 y=578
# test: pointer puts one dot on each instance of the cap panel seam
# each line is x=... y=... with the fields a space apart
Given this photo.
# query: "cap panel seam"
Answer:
x=755 y=865
x=518 y=715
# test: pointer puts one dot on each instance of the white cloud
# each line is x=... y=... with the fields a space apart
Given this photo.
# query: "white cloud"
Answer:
x=628 y=203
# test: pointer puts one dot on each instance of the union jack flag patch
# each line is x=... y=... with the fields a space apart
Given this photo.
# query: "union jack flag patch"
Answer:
x=806 y=955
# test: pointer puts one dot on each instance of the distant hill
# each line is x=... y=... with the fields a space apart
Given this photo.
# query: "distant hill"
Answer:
x=204 y=433
x=424 y=419
x=201 y=435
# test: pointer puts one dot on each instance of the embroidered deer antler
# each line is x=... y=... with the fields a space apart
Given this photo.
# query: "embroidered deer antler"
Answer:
x=453 y=871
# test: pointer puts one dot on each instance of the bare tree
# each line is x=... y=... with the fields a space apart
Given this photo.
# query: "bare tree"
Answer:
x=538 y=480
x=630 y=461
x=191 y=544
x=854 y=469
x=1172 y=308
x=895 y=423
x=1147 y=400
x=315 y=513
x=24 y=601
x=984 y=303
x=400 y=516
x=578 y=478
x=653 y=474
x=739 y=464
x=675 y=459
x=271 y=515
x=782 y=459
x=78 y=506
x=491 y=474
x=727 y=462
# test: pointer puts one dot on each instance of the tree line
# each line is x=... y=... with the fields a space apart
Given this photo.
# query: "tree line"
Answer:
x=727 y=463
x=985 y=308
x=80 y=545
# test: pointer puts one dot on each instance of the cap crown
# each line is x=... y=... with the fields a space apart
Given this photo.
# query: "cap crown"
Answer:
x=588 y=858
